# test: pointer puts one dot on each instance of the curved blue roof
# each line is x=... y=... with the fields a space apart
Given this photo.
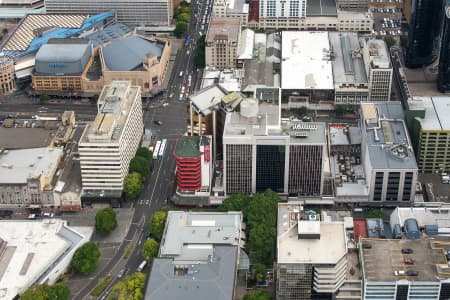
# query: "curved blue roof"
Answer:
x=128 y=54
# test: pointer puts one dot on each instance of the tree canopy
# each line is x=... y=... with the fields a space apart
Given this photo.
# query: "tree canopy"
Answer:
x=199 y=54
x=105 y=221
x=59 y=291
x=157 y=224
x=180 y=29
x=150 y=250
x=145 y=153
x=260 y=213
x=132 y=185
x=85 y=259
x=129 y=288
x=258 y=295
x=140 y=165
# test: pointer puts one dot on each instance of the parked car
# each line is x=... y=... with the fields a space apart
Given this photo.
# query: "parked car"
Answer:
x=409 y=261
x=121 y=273
x=158 y=122
x=412 y=273
x=407 y=251
x=399 y=273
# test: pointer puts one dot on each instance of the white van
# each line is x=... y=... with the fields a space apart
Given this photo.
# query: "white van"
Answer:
x=142 y=266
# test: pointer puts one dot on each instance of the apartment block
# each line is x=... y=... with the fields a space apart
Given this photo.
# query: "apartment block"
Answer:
x=387 y=154
x=231 y=9
x=222 y=42
x=378 y=69
x=430 y=132
x=110 y=142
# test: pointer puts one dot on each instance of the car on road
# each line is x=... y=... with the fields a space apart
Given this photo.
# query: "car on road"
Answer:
x=165 y=104
x=399 y=273
x=181 y=97
x=407 y=251
x=48 y=215
x=158 y=122
x=121 y=273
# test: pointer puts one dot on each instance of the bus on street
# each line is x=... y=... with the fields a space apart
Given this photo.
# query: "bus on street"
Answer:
x=162 y=149
x=156 y=150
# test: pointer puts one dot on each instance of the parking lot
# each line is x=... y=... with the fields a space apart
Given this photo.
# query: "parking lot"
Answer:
x=387 y=21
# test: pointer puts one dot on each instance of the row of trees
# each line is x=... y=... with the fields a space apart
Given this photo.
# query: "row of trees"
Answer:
x=199 y=54
x=260 y=215
x=156 y=230
x=58 y=291
x=183 y=16
x=140 y=167
x=130 y=288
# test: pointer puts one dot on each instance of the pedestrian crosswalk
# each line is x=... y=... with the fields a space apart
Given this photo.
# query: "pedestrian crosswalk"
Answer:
x=144 y=202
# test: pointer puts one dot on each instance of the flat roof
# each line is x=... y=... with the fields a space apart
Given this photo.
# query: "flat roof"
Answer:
x=388 y=146
x=439 y=216
x=21 y=138
x=114 y=105
x=33 y=246
x=329 y=249
x=246 y=44
x=379 y=56
x=311 y=50
x=385 y=256
x=188 y=146
x=237 y=6
x=224 y=29
x=437 y=110
x=341 y=134
x=16 y=166
x=322 y=8
x=348 y=64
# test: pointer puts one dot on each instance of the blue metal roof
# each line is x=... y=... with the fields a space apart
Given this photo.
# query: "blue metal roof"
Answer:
x=37 y=42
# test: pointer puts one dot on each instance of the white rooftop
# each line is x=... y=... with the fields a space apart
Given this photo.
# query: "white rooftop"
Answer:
x=206 y=100
x=246 y=44
x=16 y=166
x=32 y=248
x=305 y=60
x=437 y=110
x=329 y=249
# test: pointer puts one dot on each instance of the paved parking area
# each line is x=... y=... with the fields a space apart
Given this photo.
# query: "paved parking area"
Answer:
x=387 y=22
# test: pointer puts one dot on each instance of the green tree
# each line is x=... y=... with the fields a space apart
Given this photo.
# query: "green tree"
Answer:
x=236 y=202
x=145 y=153
x=59 y=291
x=302 y=110
x=44 y=97
x=94 y=98
x=180 y=29
x=37 y=292
x=5 y=31
x=129 y=288
x=157 y=224
x=261 y=243
x=105 y=221
x=376 y=213
x=132 y=185
x=150 y=250
x=184 y=17
x=140 y=165
x=258 y=272
x=199 y=55
x=389 y=40
x=258 y=295
x=85 y=259
x=339 y=109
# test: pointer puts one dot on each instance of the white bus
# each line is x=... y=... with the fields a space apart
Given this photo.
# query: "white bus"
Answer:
x=156 y=149
x=142 y=266
x=162 y=148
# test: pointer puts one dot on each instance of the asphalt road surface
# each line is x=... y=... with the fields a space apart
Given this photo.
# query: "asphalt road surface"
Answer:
x=161 y=183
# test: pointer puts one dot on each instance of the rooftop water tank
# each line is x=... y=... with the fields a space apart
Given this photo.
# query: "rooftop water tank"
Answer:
x=249 y=108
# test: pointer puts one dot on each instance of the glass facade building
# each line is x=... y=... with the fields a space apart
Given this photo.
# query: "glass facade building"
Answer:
x=444 y=57
x=270 y=161
x=424 y=29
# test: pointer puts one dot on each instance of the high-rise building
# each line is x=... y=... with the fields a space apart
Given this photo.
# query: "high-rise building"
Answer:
x=387 y=156
x=137 y=13
x=378 y=69
x=444 y=56
x=424 y=29
x=222 y=42
x=110 y=142
x=260 y=152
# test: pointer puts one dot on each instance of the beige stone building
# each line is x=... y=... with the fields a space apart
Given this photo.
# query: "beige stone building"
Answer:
x=222 y=42
x=77 y=67
x=7 y=83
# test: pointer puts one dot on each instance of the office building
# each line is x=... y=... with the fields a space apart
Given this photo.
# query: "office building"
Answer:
x=74 y=66
x=387 y=155
x=26 y=176
x=198 y=257
x=222 y=42
x=311 y=254
x=36 y=252
x=231 y=9
x=110 y=142
x=378 y=69
x=194 y=165
x=349 y=74
x=7 y=83
x=423 y=35
x=443 y=81
x=261 y=152
x=430 y=132
x=426 y=278
x=141 y=13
